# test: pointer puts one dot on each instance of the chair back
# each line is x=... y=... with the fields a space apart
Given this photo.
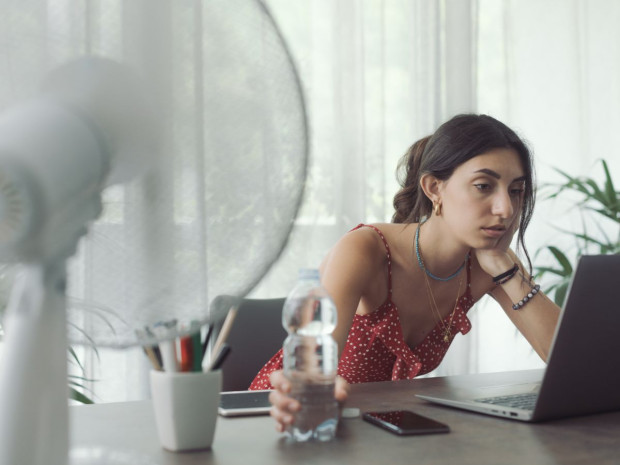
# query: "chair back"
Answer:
x=256 y=335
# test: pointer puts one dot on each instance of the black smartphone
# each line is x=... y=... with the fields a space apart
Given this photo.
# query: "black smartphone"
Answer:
x=404 y=422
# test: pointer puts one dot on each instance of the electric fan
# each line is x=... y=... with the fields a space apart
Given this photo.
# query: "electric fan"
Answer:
x=220 y=180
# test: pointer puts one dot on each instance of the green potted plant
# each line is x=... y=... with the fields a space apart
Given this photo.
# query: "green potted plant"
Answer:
x=595 y=206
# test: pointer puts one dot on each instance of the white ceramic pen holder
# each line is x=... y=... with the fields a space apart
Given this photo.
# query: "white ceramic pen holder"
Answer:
x=185 y=407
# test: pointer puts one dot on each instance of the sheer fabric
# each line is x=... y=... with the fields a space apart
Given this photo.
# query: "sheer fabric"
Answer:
x=377 y=76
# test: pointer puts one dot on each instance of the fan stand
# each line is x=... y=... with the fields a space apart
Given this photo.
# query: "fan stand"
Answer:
x=34 y=425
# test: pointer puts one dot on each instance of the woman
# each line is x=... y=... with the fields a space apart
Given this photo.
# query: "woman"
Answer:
x=403 y=290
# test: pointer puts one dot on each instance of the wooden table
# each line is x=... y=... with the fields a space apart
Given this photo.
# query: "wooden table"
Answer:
x=127 y=430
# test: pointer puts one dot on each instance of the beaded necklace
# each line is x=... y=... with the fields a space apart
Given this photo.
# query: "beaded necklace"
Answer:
x=446 y=329
x=421 y=262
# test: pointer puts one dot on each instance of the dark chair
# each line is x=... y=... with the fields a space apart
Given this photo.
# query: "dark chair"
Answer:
x=256 y=335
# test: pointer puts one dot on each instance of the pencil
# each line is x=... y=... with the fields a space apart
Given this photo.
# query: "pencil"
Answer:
x=148 y=350
x=150 y=353
x=226 y=327
x=148 y=333
x=205 y=344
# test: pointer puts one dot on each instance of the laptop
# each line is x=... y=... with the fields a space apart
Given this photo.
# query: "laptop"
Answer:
x=583 y=369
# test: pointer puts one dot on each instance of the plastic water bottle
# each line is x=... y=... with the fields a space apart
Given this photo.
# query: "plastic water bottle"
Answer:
x=311 y=358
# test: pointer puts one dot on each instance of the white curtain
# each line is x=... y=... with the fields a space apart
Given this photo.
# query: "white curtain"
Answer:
x=548 y=69
x=380 y=74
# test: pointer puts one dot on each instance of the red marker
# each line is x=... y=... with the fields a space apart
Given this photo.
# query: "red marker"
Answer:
x=187 y=353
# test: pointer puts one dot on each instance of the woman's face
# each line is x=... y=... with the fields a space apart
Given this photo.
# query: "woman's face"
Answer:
x=482 y=200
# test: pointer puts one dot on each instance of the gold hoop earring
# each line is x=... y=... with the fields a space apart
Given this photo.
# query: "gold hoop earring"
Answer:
x=437 y=209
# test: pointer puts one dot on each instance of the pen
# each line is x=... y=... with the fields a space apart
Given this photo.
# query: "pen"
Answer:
x=205 y=344
x=167 y=345
x=196 y=347
x=220 y=358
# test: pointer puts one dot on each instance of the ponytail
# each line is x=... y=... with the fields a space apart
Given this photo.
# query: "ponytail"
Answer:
x=409 y=202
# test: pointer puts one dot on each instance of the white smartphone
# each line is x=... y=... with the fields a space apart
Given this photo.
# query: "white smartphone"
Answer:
x=244 y=403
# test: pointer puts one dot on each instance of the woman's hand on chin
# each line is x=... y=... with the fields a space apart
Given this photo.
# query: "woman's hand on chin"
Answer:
x=284 y=407
x=497 y=260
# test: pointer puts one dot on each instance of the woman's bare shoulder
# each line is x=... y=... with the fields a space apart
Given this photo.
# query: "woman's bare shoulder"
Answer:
x=365 y=239
x=390 y=231
x=361 y=246
x=351 y=265
x=398 y=237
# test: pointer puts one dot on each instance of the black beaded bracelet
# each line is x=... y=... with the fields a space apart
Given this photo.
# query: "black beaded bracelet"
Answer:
x=502 y=278
x=525 y=299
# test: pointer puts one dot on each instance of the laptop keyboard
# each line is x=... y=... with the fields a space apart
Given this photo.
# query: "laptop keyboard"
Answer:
x=521 y=401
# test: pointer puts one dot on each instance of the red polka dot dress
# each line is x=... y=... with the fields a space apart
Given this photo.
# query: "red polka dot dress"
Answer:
x=376 y=350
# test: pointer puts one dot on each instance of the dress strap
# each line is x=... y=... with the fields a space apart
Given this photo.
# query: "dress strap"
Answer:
x=389 y=255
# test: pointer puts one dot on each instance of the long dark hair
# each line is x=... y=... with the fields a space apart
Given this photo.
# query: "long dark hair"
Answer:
x=455 y=142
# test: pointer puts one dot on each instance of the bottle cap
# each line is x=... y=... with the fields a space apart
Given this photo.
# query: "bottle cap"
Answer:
x=309 y=273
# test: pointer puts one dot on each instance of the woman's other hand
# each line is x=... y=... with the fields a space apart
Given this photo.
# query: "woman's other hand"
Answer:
x=284 y=407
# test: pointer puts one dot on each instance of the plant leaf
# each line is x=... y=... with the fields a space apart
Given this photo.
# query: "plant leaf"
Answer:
x=610 y=190
x=545 y=269
x=560 y=293
x=77 y=395
x=91 y=341
x=596 y=193
x=561 y=258
x=609 y=214
x=81 y=386
x=589 y=239
x=75 y=357
x=551 y=288
x=82 y=378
